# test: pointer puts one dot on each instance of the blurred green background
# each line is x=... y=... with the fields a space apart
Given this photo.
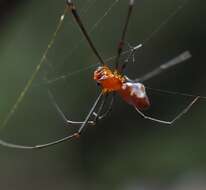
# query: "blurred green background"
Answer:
x=124 y=151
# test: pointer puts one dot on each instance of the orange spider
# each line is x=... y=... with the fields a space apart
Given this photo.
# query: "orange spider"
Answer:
x=113 y=81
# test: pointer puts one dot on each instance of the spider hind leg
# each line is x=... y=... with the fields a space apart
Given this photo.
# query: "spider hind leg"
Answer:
x=184 y=111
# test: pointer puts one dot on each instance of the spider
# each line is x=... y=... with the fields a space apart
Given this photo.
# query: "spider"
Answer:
x=113 y=81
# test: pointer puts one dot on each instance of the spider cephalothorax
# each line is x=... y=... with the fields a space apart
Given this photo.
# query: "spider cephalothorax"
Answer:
x=109 y=80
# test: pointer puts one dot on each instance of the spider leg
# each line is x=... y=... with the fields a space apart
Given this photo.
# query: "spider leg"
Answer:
x=89 y=114
x=78 y=20
x=109 y=109
x=121 y=43
x=173 y=62
x=71 y=122
x=70 y=137
x=97 y=114
x=184 y=111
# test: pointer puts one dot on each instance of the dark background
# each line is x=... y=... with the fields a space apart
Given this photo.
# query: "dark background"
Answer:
x=124 y=151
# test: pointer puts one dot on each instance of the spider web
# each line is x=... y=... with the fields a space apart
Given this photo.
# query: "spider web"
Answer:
x=65 y=18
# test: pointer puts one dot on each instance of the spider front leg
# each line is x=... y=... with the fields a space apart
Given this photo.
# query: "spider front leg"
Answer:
x=122 y=39
x=184 y=111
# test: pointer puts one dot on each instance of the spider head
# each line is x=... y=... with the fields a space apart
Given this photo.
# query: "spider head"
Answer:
x=102 y=73
x=108 y=80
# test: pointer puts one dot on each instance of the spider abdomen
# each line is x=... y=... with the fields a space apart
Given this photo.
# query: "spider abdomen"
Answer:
x=134 y=94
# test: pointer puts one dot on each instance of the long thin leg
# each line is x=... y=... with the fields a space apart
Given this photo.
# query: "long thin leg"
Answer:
x=75 y=14
x=109 y=109
x=173 y=62
x=62 y=115
x=92 y=122
x=184 y=111
x=179 y=59
x=89 y=114
x=70 y=137
x=121 y=43
x=101 y=106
